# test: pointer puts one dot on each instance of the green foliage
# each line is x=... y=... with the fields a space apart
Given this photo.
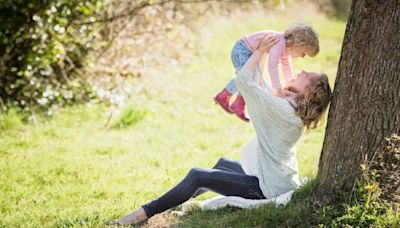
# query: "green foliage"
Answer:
x=42 y=47
x=339 y=9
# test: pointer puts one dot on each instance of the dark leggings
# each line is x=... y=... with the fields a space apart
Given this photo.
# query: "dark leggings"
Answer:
x=226 y=178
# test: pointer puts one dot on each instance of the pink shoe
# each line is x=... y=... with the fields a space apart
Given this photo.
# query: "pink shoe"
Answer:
x=222 y=99
x=238 y=108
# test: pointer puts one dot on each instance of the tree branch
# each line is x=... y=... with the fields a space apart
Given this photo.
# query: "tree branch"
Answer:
x=160 y=3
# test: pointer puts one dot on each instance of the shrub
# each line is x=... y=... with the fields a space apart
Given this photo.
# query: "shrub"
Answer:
x=42 y=45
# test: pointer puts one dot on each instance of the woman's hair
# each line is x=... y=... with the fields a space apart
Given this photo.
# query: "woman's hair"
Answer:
x=302 y=36
x=312 y=105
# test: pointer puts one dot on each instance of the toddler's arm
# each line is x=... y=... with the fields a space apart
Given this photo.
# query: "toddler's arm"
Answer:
x=273 y=61
x=260 y=37
x=254 y=39
x=287 y=68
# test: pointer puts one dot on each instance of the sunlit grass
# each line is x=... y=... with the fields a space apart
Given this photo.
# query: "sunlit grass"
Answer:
x=129 y=117
x=10 y=120
x=74 y=170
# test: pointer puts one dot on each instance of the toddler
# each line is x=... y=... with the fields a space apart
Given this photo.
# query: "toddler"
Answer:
x=298 y=40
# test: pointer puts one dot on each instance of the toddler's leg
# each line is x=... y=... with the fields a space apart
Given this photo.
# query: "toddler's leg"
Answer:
x=222 y=98
x=238 y=107
x=231 y=87
x=240 y=54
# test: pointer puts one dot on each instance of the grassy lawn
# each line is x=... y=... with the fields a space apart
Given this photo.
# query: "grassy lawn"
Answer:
x=71 y=170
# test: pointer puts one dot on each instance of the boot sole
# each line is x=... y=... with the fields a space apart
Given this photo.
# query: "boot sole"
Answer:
x=242 y=118
x=226 y=110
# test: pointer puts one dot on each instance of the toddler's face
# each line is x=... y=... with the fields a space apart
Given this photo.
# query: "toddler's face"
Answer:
x=298 y=52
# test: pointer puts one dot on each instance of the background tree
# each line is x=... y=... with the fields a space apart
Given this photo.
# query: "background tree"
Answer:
x=366 y=101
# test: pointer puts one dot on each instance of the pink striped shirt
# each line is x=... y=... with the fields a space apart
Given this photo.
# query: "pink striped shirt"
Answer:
x=277 y=54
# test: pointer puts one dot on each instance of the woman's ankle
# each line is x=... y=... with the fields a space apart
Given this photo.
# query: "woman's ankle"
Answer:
x=141 y=214
x=134 y=217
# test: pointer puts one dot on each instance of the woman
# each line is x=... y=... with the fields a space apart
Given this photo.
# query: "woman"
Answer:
x=270 y=168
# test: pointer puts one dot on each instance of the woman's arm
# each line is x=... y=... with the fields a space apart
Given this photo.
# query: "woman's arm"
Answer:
x=264 y=46
x=251 y=63
x=262 y=105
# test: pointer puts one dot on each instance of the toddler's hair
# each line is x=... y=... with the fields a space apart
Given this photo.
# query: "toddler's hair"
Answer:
x=302 y=36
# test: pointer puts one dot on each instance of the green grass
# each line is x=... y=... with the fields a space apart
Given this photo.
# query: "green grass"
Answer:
x=129 y=117
x=297 y=214
x=80 y=169
x=10 y=120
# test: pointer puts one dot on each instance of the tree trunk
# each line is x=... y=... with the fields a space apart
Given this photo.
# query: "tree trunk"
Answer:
x=366 y=100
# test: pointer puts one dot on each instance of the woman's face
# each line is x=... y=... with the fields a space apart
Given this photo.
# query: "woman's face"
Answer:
x=303 y=80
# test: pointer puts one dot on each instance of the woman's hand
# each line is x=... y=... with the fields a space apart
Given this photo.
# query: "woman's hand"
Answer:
x=287 y=93
x=280 y=92
x=267 y=42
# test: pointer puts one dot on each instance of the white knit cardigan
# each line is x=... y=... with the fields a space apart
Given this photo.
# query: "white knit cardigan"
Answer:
x=278 y=128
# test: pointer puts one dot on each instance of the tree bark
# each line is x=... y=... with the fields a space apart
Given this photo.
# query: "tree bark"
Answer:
x=366 y=99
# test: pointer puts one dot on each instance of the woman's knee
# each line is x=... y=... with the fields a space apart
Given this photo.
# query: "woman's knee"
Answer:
x=198 y=175
x=221 y=161
x=194 y=172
